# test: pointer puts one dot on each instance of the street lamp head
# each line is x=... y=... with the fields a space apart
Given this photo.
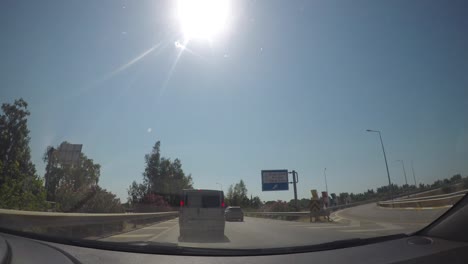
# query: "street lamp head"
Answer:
x=368 y=130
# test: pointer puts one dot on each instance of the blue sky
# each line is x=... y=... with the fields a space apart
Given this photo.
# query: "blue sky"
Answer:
x=290 y=85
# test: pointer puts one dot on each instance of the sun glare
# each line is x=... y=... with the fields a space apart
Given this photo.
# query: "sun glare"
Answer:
x=203 y=19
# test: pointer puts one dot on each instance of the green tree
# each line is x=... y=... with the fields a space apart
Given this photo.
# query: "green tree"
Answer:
x=303 y=204
x=240 y=189
x=344 y=197
x=152 y=203
x=456 y=178
x=448 y=189
x=237 y=195
x=278 y=206
x=465 y=182
x=75 y=186
x=333 y=199
x=102 y=201
x=162 y=177
x=20 y=187
x=70 y=199
x=178 y=178
x=437 y=183
x=256 y=203
x=229 y=197
x=87 y=200
x=136 y=192
x=81 y=176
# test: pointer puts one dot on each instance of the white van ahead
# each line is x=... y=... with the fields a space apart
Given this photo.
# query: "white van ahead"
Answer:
x=201 y=211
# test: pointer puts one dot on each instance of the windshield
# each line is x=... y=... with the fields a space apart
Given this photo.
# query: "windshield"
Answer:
x=143 y=121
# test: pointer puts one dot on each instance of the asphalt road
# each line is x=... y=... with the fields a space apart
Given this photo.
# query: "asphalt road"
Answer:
x=356 y=222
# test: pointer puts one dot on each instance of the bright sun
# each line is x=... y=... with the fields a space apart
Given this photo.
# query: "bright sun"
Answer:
x=203 y=19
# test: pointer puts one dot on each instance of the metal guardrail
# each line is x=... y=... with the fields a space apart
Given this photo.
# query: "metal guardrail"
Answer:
x=17 y=219
x=431 y=197
x=429 y=201
x=306 y=213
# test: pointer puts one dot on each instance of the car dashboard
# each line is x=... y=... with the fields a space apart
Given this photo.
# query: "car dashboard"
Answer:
x=413 y=249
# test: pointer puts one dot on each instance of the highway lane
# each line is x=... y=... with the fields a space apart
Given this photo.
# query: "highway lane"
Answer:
x=357 y=222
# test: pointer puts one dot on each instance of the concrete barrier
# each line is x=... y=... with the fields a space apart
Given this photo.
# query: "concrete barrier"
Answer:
x=77 y=224
x=26 y=219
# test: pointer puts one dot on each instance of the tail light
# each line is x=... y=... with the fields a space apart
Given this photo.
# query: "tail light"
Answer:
x=181 y=203
x=222 y=204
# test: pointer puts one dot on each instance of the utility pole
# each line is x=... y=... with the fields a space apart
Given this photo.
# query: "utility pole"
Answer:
x=404 y=171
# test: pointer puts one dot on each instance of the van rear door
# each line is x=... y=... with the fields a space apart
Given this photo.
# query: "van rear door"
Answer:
x=203 y=204
x=203 y=210
x=212 y=207
x=191 y=209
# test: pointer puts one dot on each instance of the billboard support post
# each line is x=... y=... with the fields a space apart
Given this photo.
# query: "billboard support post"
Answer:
x=295 y=180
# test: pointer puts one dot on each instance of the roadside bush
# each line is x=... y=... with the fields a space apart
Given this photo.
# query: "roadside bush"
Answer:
x=278 y=206
x=27 y=194
x=465 y=183
x=152 y=203
x=87 y=200
x=448 y=189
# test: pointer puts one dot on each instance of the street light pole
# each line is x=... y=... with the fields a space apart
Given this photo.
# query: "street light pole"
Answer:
x=220 y=185
x=386 y=163
x=404 y=171
x=414 y=176
x=325 y=175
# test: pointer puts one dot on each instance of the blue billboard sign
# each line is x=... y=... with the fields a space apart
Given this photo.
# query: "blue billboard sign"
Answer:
x=275 y=180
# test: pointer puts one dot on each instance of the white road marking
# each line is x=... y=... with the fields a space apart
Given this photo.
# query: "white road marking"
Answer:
x=155 y=227
x=160 y=234
x=363 y=230
x=316 y=225
x=166 y=224
x=386 y=227
x=327 y=227
x=131 y=236
x=336 y=218
x=416 y=208
x=352 y=223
